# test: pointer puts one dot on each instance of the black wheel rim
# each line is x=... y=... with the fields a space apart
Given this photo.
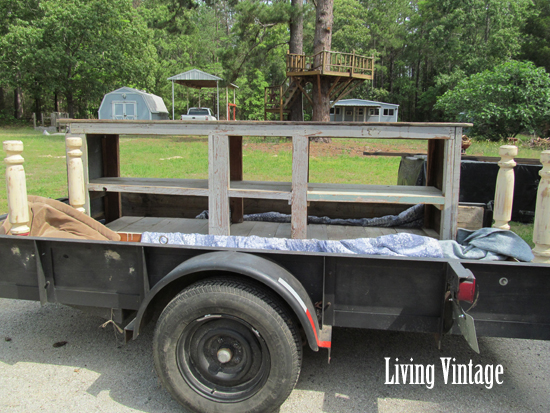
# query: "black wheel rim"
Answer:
x=223 y=358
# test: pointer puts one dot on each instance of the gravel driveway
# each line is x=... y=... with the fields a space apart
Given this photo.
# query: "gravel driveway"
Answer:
x=93 y=373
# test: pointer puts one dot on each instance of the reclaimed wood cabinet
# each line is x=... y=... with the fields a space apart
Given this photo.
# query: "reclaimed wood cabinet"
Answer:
x=226 y=189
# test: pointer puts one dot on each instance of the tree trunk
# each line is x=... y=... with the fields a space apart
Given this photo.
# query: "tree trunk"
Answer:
x=2 y=104
x=296 y=46
x=37 y=108
x=70 y=104
x=322 y=41
x=55 y=103
x=17 y=109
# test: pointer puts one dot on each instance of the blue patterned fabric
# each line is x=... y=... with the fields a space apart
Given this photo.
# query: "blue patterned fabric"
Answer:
x=401 y=244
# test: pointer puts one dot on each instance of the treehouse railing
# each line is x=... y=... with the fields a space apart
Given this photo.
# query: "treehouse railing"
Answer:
x=327 y=62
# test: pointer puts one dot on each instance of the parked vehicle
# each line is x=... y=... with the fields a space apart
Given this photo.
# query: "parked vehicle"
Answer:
x=198 y=114
x=233 y=320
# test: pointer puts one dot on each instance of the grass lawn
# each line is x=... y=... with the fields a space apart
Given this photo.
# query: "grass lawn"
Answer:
x=341 y=161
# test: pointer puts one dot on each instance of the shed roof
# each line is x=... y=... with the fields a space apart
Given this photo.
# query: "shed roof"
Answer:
x=198 y=79
x=154 y=103
x=363 y=102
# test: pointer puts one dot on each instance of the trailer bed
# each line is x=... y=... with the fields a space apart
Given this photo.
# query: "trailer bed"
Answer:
x=138 y=225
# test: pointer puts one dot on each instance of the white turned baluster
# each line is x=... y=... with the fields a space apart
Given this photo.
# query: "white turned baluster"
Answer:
x=541 y=230
x=504 y=193
x=75 y=171
x=18 y=207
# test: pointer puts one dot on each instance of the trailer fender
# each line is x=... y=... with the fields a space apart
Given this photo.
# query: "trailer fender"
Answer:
x=263 y=270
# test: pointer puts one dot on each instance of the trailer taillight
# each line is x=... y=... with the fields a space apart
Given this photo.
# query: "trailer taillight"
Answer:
x=466 y=290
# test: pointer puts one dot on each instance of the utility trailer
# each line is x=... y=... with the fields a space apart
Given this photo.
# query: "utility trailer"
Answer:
x=233 y=321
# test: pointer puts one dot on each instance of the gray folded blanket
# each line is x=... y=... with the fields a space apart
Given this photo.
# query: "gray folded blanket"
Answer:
x=412 y=217
x=489 y=244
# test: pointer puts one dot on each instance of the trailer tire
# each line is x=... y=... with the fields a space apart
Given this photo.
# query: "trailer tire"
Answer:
x=225 y=345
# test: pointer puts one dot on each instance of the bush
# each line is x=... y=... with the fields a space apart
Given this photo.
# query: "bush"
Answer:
x=511 y=98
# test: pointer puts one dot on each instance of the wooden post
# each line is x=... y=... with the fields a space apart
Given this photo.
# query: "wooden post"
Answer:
x=75 y=173
x=300 y=160
x=34 y=120
x=18 y=207
x=42 y=119
x=504 y=192
x=541 y=231
x=218 y=185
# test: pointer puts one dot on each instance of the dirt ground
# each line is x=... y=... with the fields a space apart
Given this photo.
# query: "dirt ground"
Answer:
x=342 y=147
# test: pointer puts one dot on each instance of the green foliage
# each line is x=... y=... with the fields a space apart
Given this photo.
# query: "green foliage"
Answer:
x=537 y=35
x=502 y=102
x=78 y=50
x=251 y=95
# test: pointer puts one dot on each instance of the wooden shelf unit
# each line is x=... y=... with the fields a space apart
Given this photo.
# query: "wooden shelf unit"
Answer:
x=225 y=187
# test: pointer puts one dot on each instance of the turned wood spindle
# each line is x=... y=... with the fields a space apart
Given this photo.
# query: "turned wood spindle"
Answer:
x=18 y=207
x=541 y=230
x=75 y=172
x=504 y=193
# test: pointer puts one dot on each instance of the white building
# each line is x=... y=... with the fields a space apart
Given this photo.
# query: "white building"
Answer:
x=360 y=110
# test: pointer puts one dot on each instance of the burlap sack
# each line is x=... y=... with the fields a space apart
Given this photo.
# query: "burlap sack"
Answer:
x=54 y=219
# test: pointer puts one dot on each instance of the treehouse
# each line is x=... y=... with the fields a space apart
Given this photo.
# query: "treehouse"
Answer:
x=346 y=70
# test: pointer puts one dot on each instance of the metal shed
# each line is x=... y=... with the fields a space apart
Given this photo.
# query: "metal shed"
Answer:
x=361 y=110
x=132 y=104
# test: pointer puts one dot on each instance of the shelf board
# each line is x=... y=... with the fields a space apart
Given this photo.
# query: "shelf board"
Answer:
x=164 y=186
x=192 y=187
x=275 y=190
x=260 y=189
x=394 y=194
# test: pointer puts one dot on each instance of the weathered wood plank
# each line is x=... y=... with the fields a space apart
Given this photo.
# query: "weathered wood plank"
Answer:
x=183 y=225
x=372 y=232
x=470 y=217
x=375 y=193
x=283 y=231
x=243 y=228
x=192 y=226
x=387 y=231
x=336 y=232
x=399 y=130
x=218 y=182
x=166 y=186
x=416 y=231
x=122 y=223
x=300 y=162
x=265 y=229
x=261 y=190
x=143 y=224
x=451 y=183
x=317 y=231
x=354 y=232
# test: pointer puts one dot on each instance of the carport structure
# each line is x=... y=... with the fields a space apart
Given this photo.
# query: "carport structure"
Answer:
x=197 y=79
